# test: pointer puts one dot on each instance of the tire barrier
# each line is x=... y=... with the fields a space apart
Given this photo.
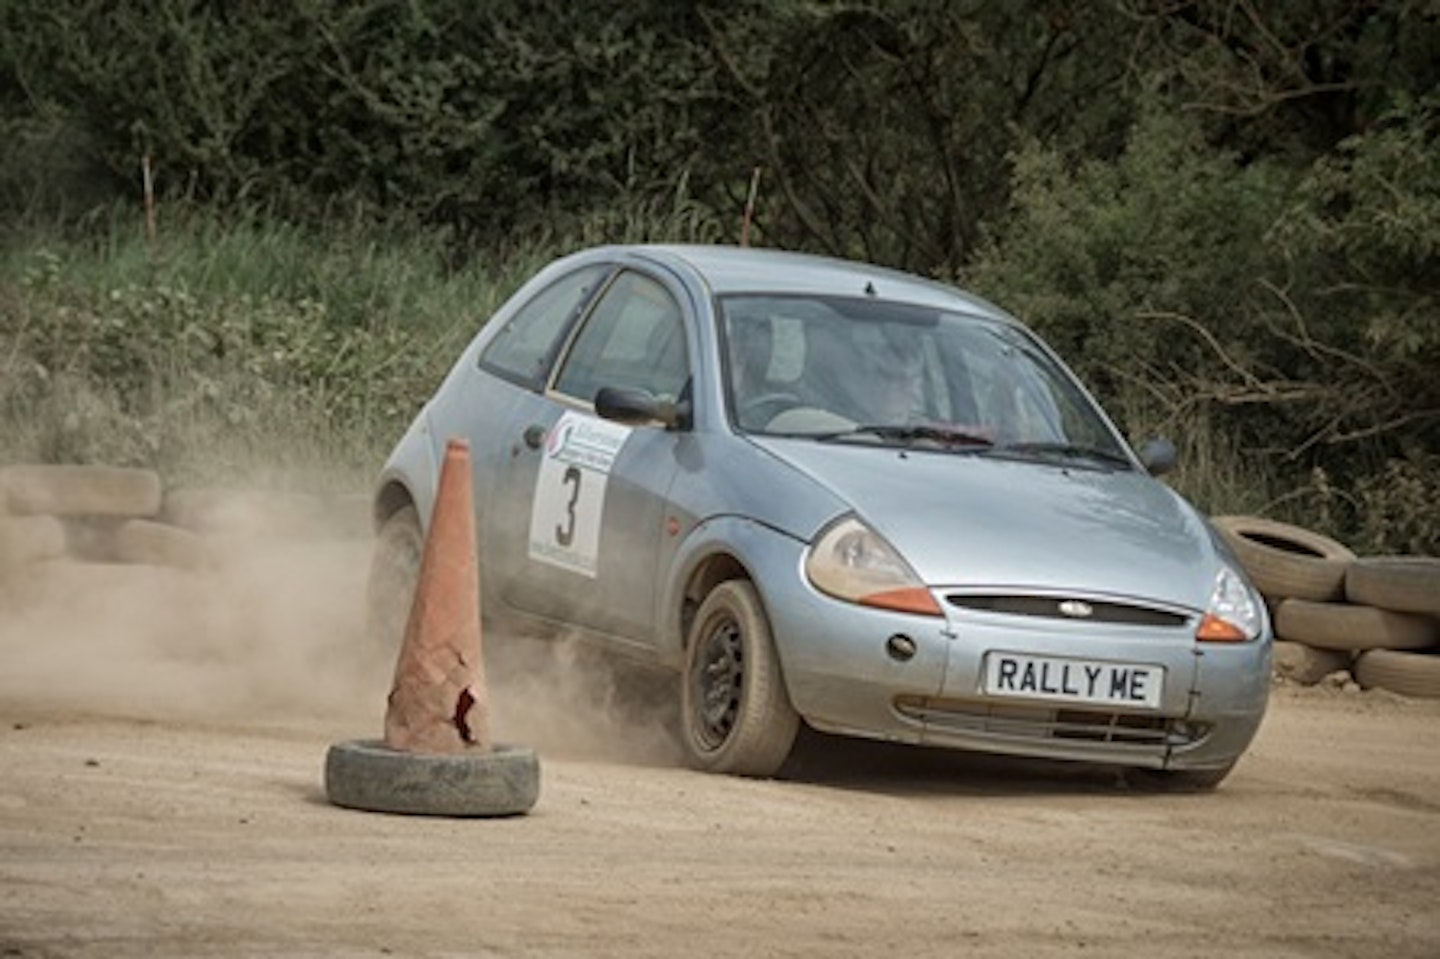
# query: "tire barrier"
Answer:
x=79 y=491
x=119 y=515
x=1338 y=615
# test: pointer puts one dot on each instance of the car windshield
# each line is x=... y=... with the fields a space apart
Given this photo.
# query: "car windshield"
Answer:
x=851 y=370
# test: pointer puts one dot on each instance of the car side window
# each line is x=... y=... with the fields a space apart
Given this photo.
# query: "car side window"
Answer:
x=525 y=347
x=634 y=337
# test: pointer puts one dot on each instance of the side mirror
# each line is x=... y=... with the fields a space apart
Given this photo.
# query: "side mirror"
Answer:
x=1158 y=456
x=635 y=407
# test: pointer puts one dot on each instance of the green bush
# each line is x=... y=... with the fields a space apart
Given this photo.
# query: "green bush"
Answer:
x=1284 y=325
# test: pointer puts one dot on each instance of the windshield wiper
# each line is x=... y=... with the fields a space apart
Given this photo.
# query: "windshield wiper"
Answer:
x=1069 y=451
x=929 y=433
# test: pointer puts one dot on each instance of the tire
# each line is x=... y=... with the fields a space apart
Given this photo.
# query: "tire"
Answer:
x=1347 y=627
x=27 y=539
x=80 y=490
x=367 y=774
x=1305 y=664
x=1287 y=562
x=736 y=715
x=1177 y=780
x=1406 y=584
x=390 y=586
x=1409 y=674
x=158 y=544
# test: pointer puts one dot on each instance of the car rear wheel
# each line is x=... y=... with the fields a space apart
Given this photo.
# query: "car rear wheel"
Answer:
x=736 y=714
x=390 y=588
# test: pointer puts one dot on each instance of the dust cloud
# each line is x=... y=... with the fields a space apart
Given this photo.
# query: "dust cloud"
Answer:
x=270 y=631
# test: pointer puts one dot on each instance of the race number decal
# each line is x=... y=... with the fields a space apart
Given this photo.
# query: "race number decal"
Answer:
x=570 y=491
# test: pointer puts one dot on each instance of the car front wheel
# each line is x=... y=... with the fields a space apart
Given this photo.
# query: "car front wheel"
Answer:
x=736 y=714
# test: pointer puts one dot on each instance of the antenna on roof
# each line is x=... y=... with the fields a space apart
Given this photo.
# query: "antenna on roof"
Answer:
x=750 y=208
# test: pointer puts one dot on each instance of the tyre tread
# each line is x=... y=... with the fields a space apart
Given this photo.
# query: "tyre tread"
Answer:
x=368 y=775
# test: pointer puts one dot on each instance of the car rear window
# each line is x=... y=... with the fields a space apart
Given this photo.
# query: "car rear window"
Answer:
x=525 y=347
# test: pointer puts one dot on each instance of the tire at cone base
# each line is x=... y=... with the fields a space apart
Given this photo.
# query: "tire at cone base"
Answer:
x=1407 y=584
x=1287 y=561
x=1349 y=627
x=1409 y=674
x=367 y=774
x=81 y=490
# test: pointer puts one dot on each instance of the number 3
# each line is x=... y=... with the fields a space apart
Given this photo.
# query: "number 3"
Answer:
x=564 y=534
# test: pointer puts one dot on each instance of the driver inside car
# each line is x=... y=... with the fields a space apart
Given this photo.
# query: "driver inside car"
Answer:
x=751 y=345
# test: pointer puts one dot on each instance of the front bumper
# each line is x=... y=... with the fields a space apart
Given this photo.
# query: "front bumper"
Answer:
x=844 y=676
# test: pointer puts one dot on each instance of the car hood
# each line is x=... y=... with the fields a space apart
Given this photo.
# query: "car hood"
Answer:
x=988 y=521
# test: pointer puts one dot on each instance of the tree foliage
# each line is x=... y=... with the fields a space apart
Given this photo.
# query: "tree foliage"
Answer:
x=480 y=117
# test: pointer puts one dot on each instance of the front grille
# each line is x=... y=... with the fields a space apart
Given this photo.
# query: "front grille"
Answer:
x=1038 y=722
x=1053 y=607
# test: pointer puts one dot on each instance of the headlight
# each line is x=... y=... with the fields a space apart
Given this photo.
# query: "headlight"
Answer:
x=1233 y=615
x=850 y=561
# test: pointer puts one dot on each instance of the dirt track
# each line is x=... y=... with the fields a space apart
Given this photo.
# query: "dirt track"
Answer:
x=163 y=738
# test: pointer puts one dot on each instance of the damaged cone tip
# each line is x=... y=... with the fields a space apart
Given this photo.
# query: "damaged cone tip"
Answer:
x=437 y=701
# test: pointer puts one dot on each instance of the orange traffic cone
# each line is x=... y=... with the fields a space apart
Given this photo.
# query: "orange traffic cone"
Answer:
x=437 y=701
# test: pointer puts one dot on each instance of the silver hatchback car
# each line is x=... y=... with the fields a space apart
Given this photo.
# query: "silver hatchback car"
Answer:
x=828 y=492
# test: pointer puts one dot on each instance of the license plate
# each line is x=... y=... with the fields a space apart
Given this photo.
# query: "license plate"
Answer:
x=1074 y=680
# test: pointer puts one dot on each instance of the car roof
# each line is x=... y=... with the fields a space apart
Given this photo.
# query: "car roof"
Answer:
x=733 y=269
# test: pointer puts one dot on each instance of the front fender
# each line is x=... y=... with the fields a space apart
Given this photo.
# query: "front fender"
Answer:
x=717 y=549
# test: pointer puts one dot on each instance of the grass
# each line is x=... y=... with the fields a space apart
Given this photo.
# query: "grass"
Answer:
x=229 y=349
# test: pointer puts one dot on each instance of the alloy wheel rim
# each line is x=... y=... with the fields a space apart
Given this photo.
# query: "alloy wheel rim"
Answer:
x=717 y=681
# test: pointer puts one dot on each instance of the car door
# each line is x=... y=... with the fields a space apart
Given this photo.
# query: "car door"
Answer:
x=498 y=399
x=589 y=493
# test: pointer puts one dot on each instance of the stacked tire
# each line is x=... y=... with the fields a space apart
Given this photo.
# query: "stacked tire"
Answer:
x=89 y=517
x=1376 y=618
x=100 y=514
x=1405 y=586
